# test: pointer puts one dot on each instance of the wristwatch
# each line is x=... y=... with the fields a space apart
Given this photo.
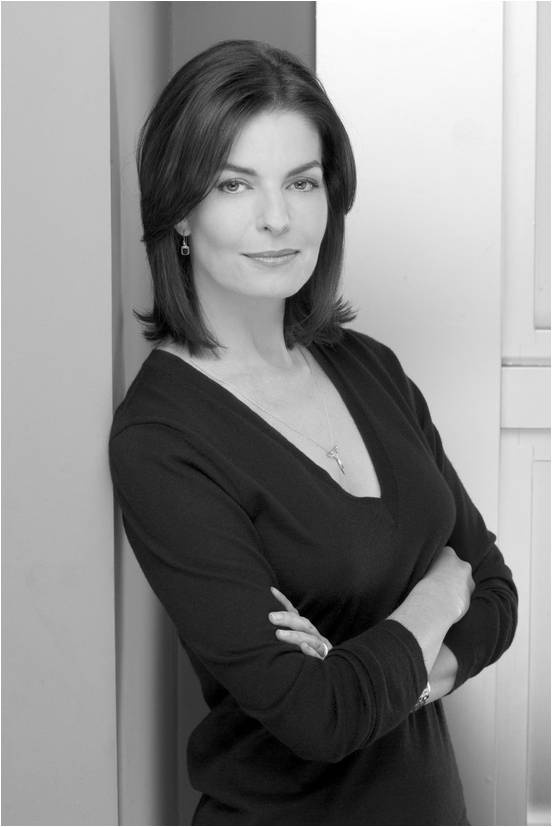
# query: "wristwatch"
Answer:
x=423 y=700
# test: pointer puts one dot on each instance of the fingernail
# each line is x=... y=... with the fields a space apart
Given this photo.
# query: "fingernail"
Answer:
x=275 y=616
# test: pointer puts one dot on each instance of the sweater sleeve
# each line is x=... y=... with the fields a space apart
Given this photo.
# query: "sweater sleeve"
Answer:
x=487 y=629
x=203 y=557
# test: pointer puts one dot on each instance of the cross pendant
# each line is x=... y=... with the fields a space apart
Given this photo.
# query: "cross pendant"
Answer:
x=333 y=454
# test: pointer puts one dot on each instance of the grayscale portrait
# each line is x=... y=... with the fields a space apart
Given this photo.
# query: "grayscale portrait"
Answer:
x=277 y=421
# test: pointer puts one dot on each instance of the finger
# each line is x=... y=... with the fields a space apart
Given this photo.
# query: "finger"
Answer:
x=293 y=621
x=283 y=599
x=301 y=624
x=308 y=650
x=319 y=648
x=297 y=638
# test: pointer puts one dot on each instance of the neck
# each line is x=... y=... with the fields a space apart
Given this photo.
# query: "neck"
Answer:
x=250 y=329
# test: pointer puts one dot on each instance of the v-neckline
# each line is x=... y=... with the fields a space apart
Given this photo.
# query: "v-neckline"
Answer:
x=380 y=460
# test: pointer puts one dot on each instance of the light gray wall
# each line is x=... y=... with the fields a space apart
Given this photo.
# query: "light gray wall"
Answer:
x=59 y=727
x=195 y=26
x=146 y=654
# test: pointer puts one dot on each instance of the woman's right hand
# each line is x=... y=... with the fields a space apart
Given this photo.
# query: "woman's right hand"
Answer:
x=450 y=578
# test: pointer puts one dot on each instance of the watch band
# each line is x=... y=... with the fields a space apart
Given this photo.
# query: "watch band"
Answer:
x=423 y=700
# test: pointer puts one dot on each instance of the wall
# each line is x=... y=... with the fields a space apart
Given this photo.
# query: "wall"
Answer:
x=59 y=727
x=146 y=660
x=195 y=26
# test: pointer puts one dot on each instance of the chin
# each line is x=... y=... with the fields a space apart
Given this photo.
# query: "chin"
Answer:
x=276 y=285
x=277 y=291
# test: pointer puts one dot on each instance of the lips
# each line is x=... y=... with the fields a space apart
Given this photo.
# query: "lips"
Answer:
x=272 y=259
x=267 y=254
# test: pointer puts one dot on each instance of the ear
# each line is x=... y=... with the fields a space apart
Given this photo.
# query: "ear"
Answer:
x=183 y=227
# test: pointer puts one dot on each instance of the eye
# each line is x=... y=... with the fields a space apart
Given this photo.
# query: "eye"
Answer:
x=304 y=185
x=231 y=186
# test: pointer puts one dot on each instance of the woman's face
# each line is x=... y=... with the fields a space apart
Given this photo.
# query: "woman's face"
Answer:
x=258 y=231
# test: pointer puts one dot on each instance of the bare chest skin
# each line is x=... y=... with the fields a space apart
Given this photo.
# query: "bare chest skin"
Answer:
x=294 y=406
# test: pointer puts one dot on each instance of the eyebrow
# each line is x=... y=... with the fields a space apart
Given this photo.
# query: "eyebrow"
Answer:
x=294 y=171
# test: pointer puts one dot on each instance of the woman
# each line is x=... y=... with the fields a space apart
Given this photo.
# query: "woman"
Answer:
x=280 y=478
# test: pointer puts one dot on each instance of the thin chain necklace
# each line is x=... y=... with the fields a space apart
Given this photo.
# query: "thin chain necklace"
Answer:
x=333 y=453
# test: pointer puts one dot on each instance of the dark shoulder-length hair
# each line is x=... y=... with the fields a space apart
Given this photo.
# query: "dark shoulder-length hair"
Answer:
x=182 y=146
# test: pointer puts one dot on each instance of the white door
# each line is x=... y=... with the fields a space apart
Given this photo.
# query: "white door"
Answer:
x=523 y=675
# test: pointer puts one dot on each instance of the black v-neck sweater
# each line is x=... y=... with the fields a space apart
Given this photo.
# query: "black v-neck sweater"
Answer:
x=218 y=506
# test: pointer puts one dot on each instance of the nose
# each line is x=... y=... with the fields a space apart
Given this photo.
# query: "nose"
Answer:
x=273 y=213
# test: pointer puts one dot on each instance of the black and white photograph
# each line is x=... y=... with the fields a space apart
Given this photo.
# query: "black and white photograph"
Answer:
x=276 y=412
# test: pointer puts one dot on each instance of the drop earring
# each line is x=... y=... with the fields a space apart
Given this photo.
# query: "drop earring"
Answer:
x=185 y=248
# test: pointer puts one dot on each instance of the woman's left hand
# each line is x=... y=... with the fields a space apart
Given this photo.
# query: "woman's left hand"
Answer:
x=303 y=633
